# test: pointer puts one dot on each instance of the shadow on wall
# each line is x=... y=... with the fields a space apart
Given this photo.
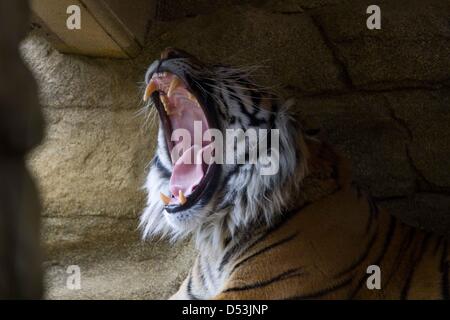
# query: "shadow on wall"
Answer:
x=386 y=108
x=21 y=128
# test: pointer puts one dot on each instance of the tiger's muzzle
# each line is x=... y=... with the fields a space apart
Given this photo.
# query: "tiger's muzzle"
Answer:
x=180 y=101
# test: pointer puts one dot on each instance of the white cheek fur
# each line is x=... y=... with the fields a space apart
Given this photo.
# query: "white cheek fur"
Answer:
x=251 y=197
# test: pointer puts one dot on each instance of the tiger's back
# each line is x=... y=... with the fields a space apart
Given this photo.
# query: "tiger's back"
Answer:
x=323 y=251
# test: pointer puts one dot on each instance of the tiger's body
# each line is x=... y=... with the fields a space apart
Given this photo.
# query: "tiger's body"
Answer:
x=307 y=233
x=322 y=251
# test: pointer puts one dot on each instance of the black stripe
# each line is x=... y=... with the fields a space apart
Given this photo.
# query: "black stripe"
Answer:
x=242 y=126
x=263 y=250
x=200 y=272
x=283 y=276
x=227 y=241
x=225 y=204
x=273 y=116
x=182 y=62
x=439 y=242
x=256 y=99
x=162 y=169
x=285 y=217
x=221 y=113
x=387 y=241
x=362 y=256
x=222 y=203
x=406 y=287
x=373 y=211
x=369 y=221
x=233 y=172
x=323 y=292
x=190 y=295
x=444 y=270
x=224 y=113
x=244 y=200
x=227 y=256
x=404 y=246
x=357 y=188
x=409 y=238
x=253 y=120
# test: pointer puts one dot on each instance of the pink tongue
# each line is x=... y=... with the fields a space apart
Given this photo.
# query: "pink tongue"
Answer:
x=187 y=173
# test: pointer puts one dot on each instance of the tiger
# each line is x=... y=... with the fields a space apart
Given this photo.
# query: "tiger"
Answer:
x=307 y=232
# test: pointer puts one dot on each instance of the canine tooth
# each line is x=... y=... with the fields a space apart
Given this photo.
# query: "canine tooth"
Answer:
x=165 y=102
x=151 y=87
x=193 y=99
x=165 y=199
x=173 y=85
x=181 y=197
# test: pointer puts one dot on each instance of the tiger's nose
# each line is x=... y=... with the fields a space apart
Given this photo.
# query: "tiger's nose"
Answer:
x=172 y=53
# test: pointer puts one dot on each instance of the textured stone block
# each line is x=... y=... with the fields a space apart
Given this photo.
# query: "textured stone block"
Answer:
x=363 y=129
x=426 y=114
x=92 y=165
x=411 y=49
x=21 y=129
x=72 y=81
x=289 y=48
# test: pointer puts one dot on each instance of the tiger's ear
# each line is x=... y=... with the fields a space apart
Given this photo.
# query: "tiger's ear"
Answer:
x=174 y=53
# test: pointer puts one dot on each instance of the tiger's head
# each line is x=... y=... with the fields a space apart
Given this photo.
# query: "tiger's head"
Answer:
x=214 y=200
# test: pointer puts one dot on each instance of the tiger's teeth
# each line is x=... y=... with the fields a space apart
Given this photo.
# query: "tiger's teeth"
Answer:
x=151 y=87
x=181 y=197
x=193 y=99
x=165 y=102
x=165 y=199
x=173 y=85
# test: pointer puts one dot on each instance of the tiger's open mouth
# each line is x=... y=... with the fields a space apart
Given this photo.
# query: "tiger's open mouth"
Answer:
x=180 y=107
